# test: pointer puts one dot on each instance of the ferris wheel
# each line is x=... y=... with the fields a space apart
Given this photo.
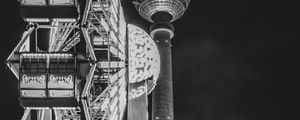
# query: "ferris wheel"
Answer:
x=79 y=60
x=71 y=63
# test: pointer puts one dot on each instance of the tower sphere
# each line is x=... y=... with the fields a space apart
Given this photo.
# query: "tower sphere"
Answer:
x=147 y=8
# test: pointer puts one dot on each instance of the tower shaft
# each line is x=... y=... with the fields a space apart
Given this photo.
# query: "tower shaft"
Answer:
x=162 y=99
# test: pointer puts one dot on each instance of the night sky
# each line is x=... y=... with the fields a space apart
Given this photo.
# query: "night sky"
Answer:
x=232 y=60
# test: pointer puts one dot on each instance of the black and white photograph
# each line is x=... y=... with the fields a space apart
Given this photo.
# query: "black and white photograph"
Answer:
x=149 y=60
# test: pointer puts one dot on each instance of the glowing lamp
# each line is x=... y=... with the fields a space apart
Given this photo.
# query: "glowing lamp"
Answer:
x=144 y=59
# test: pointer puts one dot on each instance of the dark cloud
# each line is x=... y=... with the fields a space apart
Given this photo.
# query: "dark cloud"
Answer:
x=208 y=78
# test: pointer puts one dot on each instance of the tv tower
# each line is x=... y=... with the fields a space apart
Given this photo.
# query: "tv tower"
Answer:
x=161 y=13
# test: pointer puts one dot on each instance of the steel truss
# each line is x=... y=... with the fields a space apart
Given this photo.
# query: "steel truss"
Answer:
x=103 y=95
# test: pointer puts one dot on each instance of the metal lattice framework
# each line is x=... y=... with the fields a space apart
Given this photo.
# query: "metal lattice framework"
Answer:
x=108 y=40
x=100 y=86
